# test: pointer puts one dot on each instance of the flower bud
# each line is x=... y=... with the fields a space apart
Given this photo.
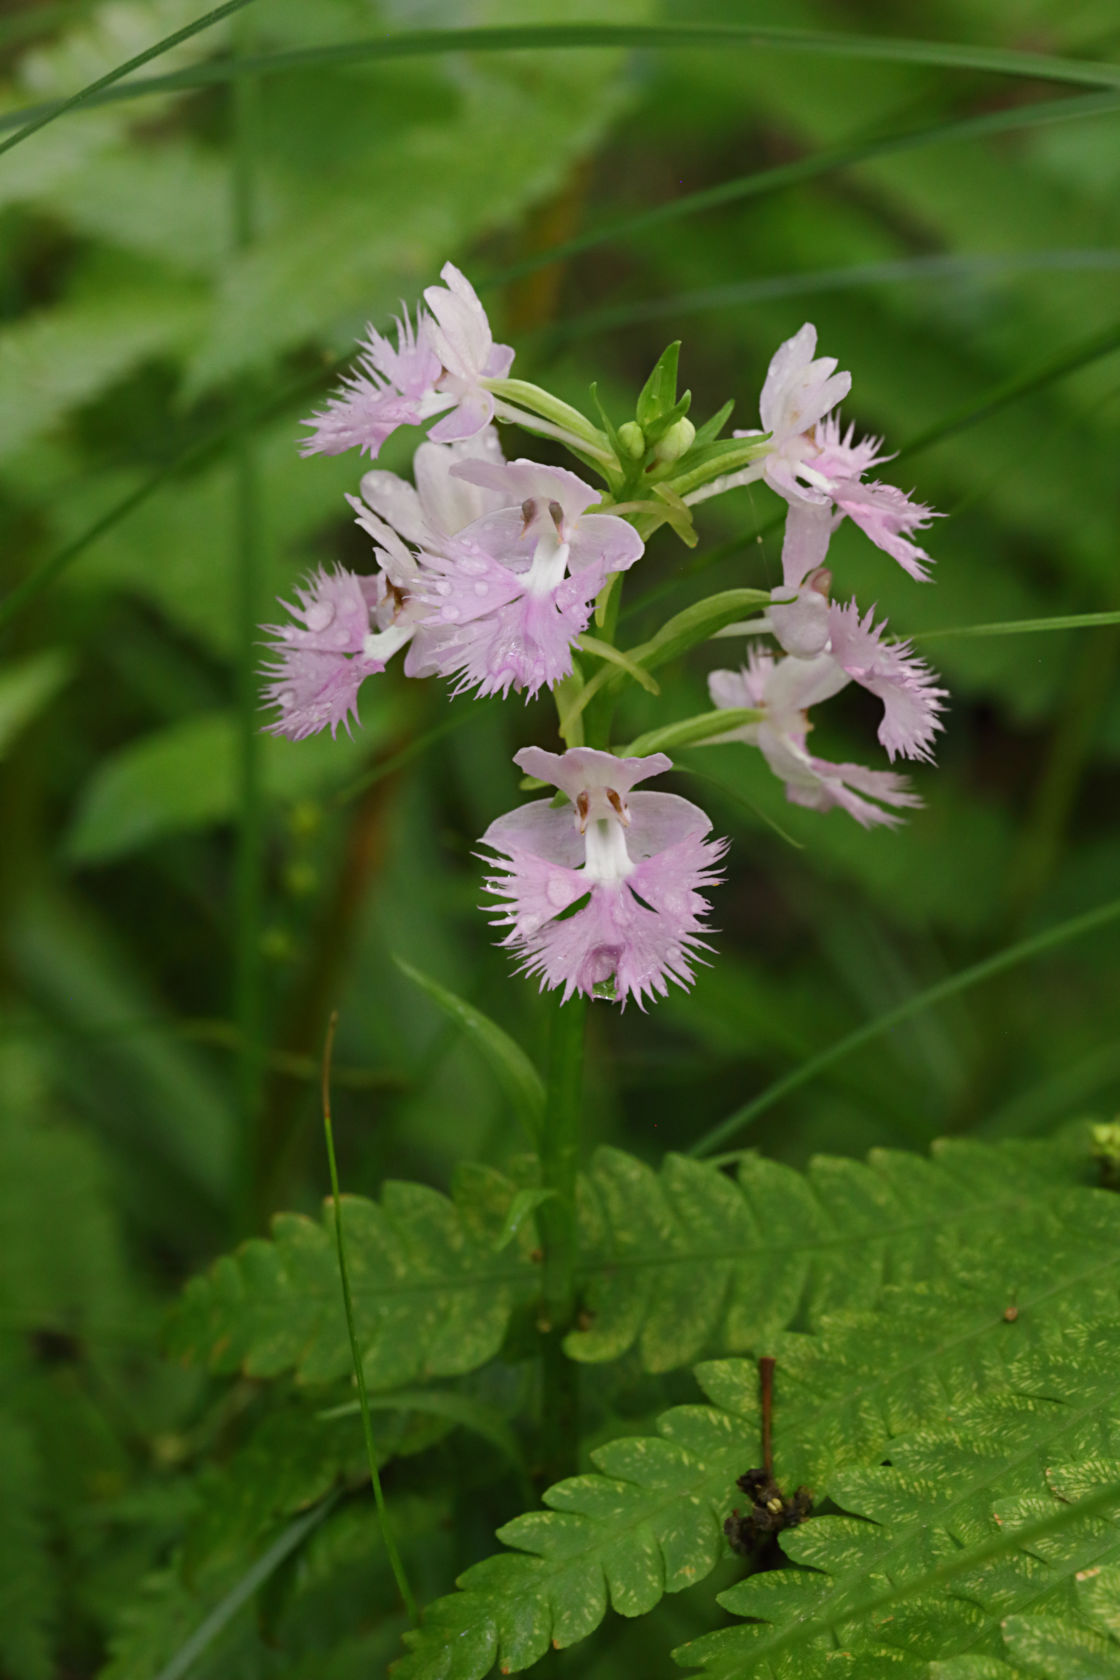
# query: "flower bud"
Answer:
x=677 y=440
x=632 y=439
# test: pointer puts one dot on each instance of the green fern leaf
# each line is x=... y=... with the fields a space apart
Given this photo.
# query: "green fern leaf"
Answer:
x=901 y=1582
x=432 y=1295
x=651 y=1520
x=678 y=1263
x=687 y=1260
x=1044 y=1646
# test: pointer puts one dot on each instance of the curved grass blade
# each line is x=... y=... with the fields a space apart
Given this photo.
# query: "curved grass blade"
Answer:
x=288 y=1541
x=1010 y=957
x=852 y=277
x=516 y=1074
x=35 y=117
x=564 y=37
x=1024 y=626
x=395 y=1561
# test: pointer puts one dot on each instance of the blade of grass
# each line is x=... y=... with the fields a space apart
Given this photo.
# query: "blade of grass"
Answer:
x=1022 y=951
x=32 y=118
x=516 y=1074
x=943 y=55
x=223 y=1613
x=863 y=149
x=387 y=1535
x=248 y=979
x=850 y=278
x=1023 y=626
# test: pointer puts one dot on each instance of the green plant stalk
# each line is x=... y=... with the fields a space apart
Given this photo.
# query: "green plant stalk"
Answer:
x=248 y=874
x=560 y=1160
x=396 y=1562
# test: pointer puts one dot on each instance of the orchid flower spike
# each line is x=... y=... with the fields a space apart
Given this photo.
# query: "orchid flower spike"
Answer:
x=513 y=590
x=437 y=367
x=603 y=896
x=784 y=689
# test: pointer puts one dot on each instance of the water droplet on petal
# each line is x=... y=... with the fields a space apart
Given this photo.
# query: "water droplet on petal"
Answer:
x=319 y=615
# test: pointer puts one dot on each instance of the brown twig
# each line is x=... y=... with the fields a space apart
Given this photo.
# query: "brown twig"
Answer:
x=766 y=1382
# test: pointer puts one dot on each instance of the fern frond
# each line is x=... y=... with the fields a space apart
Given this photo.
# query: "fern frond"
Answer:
x=432 y=1294
x=1040 y=1646
x=651 y=1521
x=679 y=1263
x=927 y=1563
x=688 y=1260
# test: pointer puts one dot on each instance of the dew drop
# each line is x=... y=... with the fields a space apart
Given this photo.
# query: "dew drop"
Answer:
x=319 y=615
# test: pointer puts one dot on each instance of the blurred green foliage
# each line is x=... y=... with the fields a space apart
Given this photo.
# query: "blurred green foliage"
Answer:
x=137 y=332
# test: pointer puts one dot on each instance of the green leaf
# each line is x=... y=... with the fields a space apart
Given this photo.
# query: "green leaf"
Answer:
x=56 y=359
x=31 y=122
x=27 y=688
x=1022 y=950
x=463 y=1410
x=675 y=1264
x=184 y=778
x=522 y=1207
x=432 y=1297
x=516 y=1074
x=648 y=1520
x=962 y=1526
x=615 y=656
x=658 y=395
x=704 y=726
x=696 y=624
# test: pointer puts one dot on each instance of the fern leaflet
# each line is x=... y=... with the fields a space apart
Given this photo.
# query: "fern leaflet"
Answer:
x=679 y=1263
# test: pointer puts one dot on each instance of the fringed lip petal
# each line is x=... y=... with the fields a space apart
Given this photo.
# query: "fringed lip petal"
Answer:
x=603 y=896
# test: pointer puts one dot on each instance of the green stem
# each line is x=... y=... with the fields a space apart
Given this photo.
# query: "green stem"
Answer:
x=248 y=882
x=560 y=1159
x=396 y=1562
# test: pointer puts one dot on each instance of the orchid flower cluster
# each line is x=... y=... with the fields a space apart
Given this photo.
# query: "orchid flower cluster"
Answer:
x=488 y=571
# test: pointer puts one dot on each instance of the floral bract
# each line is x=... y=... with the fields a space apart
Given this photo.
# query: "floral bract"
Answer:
x=487 y=573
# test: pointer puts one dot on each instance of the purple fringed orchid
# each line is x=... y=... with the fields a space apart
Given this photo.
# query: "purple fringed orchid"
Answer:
x=820 y=473
x=603 y=896
x=513 y=590
x=783 y=690
x=833 y=467
x=323 y=659
x=437 y=367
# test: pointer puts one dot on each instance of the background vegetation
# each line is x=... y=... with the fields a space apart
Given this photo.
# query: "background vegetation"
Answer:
x=178 y=274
